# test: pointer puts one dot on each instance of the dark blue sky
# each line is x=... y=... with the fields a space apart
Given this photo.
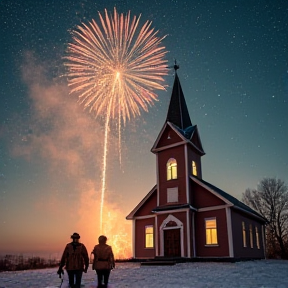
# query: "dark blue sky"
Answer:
x=233 y=58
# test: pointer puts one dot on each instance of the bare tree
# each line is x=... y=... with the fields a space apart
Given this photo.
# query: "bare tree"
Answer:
x=270 y=200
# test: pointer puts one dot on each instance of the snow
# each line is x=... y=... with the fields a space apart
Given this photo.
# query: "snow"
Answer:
x=250 y=274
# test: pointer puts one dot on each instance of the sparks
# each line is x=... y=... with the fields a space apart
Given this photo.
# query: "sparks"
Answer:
x=115 y=67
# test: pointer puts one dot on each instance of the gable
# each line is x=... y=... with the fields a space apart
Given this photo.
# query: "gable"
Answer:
x=202 y=198
x=227 y=198
x=169 y=136
x=145 y=207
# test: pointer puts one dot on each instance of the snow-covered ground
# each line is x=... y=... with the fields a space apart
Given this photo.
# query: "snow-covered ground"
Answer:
x=263 y=273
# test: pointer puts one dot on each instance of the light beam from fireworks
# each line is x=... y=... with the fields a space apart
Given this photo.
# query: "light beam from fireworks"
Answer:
x=114 y=68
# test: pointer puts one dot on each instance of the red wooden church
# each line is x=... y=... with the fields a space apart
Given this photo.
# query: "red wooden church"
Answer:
x=183 y=215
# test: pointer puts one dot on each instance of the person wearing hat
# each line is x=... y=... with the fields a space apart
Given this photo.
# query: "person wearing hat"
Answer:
x=76 y=260
x=103 y=261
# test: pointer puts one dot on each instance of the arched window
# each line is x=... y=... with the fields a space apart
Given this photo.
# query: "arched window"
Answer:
x=194 y=168
x=171 y=169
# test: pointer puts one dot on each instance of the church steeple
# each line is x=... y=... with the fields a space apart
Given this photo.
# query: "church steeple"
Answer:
x=177 y=112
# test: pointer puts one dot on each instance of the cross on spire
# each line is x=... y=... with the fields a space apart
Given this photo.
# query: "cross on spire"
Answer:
x=178 y=112
x=176 y=66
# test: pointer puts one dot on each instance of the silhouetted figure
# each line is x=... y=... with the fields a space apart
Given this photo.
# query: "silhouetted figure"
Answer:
x=103 y=261
x=76 y=260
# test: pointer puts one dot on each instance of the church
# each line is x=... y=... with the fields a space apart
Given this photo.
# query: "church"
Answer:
x=184 y=216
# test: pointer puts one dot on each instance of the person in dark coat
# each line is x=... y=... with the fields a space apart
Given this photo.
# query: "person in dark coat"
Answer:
x=103 y=261
x=76 y=260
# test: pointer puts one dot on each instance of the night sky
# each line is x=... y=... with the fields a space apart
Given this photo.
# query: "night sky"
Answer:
x=233 y=58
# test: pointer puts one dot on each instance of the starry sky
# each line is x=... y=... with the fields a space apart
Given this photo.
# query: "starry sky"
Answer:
x=233 y=58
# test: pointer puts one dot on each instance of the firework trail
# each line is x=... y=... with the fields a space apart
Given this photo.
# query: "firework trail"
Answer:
x=115 y=67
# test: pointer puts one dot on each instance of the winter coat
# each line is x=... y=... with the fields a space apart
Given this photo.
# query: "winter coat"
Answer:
x=103 y=257
x=75 y=257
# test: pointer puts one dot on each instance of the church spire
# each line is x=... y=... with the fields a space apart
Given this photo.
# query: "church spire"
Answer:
x=177 y=112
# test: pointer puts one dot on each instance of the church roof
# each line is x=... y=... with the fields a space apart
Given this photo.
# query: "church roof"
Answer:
x=229 y=199
x=178 y=119
x=177 y=112
x=187 y=132
x=234 y=201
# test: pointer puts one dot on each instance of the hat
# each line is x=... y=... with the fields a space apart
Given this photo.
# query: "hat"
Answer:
x=102 y=239
x=75 y=236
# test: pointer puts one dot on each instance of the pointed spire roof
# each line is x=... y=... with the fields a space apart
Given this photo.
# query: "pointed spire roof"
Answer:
x=177 y=112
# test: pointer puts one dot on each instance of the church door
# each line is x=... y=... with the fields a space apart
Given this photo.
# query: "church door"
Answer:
x=172 y=245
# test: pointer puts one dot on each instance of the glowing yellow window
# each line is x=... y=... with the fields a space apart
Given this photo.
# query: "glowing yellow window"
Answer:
x=149 y=243
x=244 y=234
x=194 y=168
x=171 y=169
x=211 y=231
x=251 y=235
x=257 y=238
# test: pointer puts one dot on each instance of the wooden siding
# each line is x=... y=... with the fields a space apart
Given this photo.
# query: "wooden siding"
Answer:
x=202 y=198
x=172 y=139
x=220 y=250
x=147 y=207
x=140 y=250
x=163 y=157
x=193 y=156
x=239 y=250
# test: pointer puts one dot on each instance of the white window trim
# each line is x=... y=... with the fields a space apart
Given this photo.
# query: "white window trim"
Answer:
x=211 y=245
x=186 y=175
x=148 y=226
x=171 y=169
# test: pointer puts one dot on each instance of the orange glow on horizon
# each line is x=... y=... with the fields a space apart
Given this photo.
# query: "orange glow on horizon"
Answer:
x=118 y=232
x=115 y=226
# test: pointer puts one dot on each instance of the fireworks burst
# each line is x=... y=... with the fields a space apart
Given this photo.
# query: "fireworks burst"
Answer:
x=115 y=68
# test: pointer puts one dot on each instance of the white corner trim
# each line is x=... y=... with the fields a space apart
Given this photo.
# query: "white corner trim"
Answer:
x=157 y=175
x=156 y=237
x=133 y=238
x=186 y=173
x=229 y=232
x=193 y=236
x=188 y=222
